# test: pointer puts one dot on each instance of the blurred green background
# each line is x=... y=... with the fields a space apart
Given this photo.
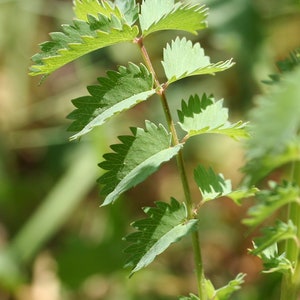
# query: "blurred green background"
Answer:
x=55 y=241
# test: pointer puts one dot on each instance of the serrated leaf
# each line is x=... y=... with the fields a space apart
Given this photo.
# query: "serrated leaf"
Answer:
x=270 y=201
x=129 y=9
x=116 y=92
x=79 y=39
x=159 y=15
x=136 y=158
x=189 y=60
x=234 y=285
x=275 y=128
x=204 y=115
x=83 y=8
x=285 y=65
x=126 y=9
x=273 y=235
x=273 y=262
x=212 y=186
x=166 y=224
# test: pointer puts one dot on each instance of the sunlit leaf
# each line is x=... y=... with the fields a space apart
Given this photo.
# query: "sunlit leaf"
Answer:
x=212 y=186
x=136 y=158
x=198 y=116
x=182 y=59
x=83 y=8
x=115 y=93
x=167 y=15
x=79 y=39
x=166 y=224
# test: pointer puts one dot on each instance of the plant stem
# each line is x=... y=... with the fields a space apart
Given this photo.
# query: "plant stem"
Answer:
x=291 y=282
x=181 y=168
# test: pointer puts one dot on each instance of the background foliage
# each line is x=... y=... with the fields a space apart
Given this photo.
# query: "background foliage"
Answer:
x=55 y=242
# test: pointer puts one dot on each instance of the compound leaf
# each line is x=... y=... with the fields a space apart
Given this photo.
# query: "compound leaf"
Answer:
x=84 y=36
x=182 y=59
x=204 y=115
x=166 y=15
x=270 y=201
x=166 y=224
x=212 y=186
x=139 y=156
x=115 y=93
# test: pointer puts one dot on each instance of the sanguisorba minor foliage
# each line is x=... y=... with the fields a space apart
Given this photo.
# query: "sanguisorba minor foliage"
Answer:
x=100 y=24
x=275 y=144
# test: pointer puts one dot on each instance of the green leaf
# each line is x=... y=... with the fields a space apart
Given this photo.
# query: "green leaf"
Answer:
x=286 y=65
x=189 y=60
x=226 y=291
x=159 y=15
x=83 y=8
x=214 y=185
x=79 y=39
x=204 y=115
x=166 y=224
x=270 y=201
x=126 y=9
x=115 y=93
x=257 y=169
x=129 y=9
x=275 y=127
x=273 y=235
x=139 y=156
x=273 y=262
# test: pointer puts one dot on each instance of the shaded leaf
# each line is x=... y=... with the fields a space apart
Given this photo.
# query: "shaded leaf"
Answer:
x=285 y=65
x=166 y=224
x=214 y=185
x=204 y=115
x=182 y=59
x=115 y=93
x=136 y=158
x=167 y=15
x=81 y=38
x=270 y=201
x=273 y=235
x=275 y=125
x=259 y=168
x=274 y=262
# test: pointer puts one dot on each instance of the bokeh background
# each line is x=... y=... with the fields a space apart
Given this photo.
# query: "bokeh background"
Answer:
x=56 y=243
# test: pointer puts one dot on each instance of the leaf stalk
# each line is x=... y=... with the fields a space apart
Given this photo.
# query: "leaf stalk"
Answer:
x=291 y=281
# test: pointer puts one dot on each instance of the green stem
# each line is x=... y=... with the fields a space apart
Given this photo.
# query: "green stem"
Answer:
x=181 y=168
x=291 y=282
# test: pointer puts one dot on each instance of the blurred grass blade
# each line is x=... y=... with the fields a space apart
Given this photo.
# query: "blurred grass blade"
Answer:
x=57 y=206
